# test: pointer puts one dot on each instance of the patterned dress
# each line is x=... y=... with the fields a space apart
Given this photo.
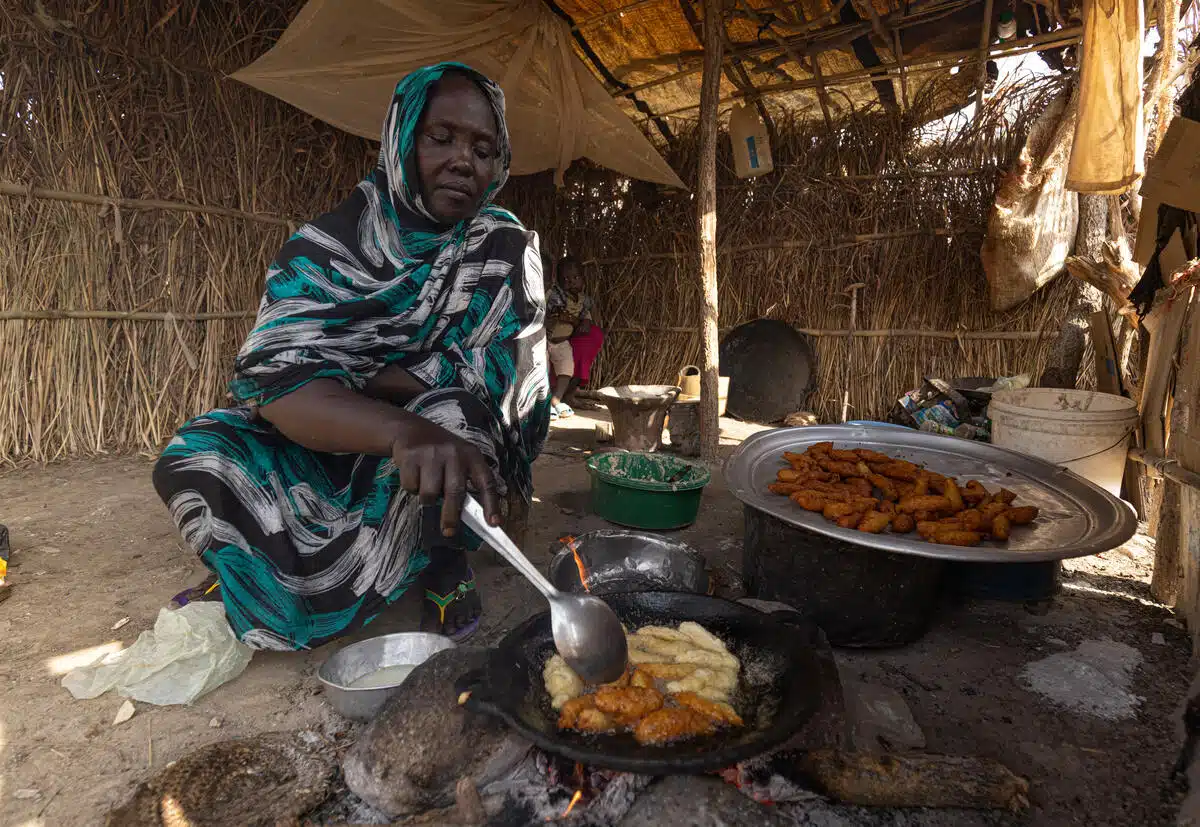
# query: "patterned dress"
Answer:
x=309 y=545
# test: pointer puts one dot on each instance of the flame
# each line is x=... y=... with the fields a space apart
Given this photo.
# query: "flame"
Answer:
x=573 y=545
x=574 y=800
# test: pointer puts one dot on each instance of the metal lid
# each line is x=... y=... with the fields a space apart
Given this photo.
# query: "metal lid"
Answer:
x=1076 y=517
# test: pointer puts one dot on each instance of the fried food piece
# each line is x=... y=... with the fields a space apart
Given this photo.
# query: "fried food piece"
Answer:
x=572 y=709
x=843 y=456
x=922 y=487
x=900 y=470
x=951 y=492
x=927 y=528
x=711 y=660
x=1005 y=496
x=873 y=522
x=810 y=500
x=903 y=523
x=887 y=507
x=1001 y=528
x=667 y=725
x=835 y=511
x=562 y=684
x=819 y=448
x=711 y=683
x=931 y=502
x=867 y=455
x=662 y=633
x=719 y=711
x=668 y=671
x=593 y=720
x=1022 y=515
x=975 y=493
x=668 y=650
x=886 y=487
x=991 y=511
x=842 y=469
x=703 y=638
x=944 y=536
x=972 y=519
x=642 y=678
x=639 y=657
x=860 y=487
x=850 y=521
x=789 y=475
x=785 y=489
x=622 y=681
x=629 y=704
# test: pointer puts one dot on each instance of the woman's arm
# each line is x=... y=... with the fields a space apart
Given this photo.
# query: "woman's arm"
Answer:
x=324 y=415
x=395 y=385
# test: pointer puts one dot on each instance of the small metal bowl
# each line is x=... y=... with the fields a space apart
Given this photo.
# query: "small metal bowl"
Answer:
x=347 y=665
x=629 y=561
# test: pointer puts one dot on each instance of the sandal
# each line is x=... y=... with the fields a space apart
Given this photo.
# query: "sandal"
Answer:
x=564 y=410
x=461 y=596
x=207 y=591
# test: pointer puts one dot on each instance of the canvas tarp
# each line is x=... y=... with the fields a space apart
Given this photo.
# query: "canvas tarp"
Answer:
x=1031 y=228
x=1110 y=142
x=339 y=60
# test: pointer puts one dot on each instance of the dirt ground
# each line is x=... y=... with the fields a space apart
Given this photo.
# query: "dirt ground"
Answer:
x=92 y=545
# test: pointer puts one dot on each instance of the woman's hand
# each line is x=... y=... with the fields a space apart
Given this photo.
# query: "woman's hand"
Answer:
x=435 y=463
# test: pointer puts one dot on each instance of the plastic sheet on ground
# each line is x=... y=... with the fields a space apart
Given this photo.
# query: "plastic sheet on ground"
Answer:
x=1093 y=680
x=189 y=652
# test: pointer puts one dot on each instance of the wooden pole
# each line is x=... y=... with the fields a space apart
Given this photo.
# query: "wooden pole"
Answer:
x=985 y=43
x=706 y=226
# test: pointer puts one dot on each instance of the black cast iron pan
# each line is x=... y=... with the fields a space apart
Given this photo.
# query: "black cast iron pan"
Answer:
x=778 y=687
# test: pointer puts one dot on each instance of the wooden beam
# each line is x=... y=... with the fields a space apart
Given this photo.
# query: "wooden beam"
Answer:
x=706 y=221
x=927 y=63
x=820 y=39
x=985 y=44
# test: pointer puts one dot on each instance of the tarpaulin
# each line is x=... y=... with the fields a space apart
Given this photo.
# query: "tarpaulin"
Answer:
x=340 y=61
x=1031 y=228
x=1110 y=141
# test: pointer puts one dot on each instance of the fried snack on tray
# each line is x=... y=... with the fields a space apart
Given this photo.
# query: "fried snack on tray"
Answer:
x=668 y=725
x=868 y=491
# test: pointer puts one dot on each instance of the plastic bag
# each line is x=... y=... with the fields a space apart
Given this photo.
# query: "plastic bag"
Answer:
x=190 y=651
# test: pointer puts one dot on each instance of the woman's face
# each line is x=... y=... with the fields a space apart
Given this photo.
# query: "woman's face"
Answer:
x=456 y=149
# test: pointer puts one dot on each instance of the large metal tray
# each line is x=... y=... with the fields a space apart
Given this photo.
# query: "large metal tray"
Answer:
x=1077 y=518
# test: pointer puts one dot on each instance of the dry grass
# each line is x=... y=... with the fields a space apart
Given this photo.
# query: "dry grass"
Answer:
x=787 y=250
x=117 y=105
x=129 y=100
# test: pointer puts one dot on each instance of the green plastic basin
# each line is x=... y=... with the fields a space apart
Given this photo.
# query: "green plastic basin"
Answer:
x=654 y=491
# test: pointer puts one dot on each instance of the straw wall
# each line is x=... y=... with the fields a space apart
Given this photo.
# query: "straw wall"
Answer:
x=142 y=195
x=128 y=100
x=869 y=206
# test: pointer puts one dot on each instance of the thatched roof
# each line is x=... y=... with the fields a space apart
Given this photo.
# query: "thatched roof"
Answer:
x=861 y=53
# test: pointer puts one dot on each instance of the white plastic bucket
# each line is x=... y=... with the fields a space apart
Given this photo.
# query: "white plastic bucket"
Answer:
x=1085 y=431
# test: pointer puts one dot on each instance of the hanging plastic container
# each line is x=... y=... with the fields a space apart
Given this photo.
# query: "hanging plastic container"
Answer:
x=751 y=144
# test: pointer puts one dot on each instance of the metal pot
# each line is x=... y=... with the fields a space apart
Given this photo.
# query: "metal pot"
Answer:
x=357 y=660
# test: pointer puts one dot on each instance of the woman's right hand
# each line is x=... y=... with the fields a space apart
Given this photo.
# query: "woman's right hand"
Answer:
x=434 y=463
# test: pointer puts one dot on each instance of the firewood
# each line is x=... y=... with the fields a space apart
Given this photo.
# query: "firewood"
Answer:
x=914 y=780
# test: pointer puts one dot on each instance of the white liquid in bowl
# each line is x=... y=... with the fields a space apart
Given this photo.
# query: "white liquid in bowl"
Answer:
x=387 y=676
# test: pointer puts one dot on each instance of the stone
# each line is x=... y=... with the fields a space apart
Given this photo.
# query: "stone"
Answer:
x=410 y=758
x=880 y=719
x=698 y=801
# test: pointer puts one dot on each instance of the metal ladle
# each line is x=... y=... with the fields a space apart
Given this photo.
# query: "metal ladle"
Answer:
x=587 y=633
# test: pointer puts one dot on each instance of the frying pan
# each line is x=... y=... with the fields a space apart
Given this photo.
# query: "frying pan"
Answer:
x=778 y=688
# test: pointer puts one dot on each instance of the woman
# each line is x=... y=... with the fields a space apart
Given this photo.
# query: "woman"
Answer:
x=399 y=356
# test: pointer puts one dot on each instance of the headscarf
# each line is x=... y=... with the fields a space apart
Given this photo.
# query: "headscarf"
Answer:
x=377 y=282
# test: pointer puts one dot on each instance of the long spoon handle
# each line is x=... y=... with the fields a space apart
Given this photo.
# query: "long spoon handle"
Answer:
x=472 y=515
